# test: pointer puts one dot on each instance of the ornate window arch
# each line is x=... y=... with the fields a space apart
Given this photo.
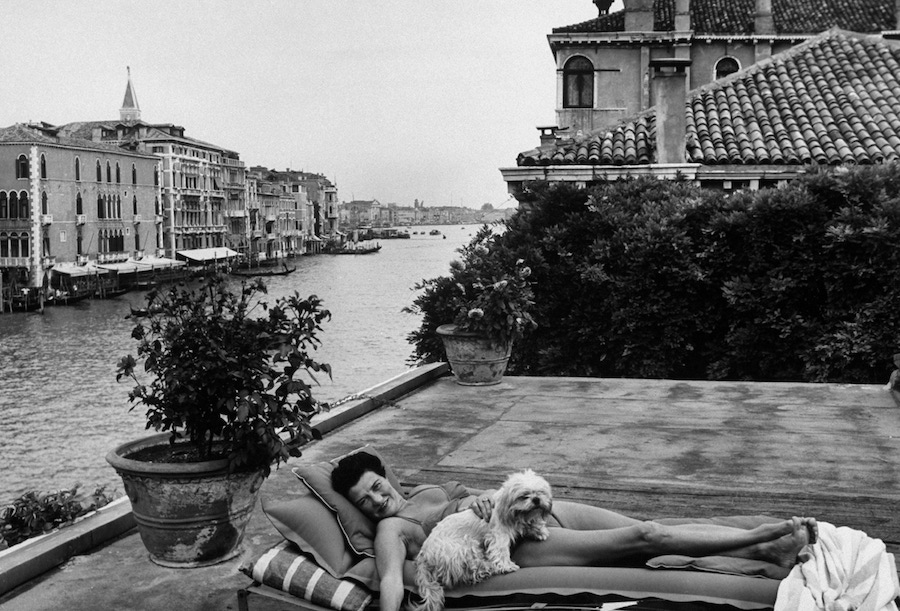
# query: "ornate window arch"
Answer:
x=725 y=66
x=578 y=83
x=4 y=205
x=133 y=174
x=118 y=173
x=24 y=208
x=77 y=168
x=99 y=172
x=79 y=204
x=43 y=166
x=101 y=208
x=22 y=169
x=108 y=172
x=45 y=206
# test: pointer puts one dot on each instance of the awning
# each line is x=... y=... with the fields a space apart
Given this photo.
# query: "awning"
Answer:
x=125 y=267
x=158 y=263
x=70 y=269
x=208 y=254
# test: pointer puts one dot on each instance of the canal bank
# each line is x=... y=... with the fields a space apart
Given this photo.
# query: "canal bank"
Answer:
x=648 y=448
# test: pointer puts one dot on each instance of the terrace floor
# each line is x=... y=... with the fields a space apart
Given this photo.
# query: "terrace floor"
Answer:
x=647 y=448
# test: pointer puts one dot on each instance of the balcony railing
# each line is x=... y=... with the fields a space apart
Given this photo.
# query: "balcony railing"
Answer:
x=81 y=259
x=137 y=219
x=80 y=219
x=46 y=219
x=137 y=255
x=15 y=261
x=48 y=261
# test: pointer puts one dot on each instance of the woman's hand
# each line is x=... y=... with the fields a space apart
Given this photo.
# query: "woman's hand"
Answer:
x=483 y=506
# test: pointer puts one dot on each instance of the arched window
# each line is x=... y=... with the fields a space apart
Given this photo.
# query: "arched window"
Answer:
x=43 y=166
x=45 y=207
x=24 y=208
x=79 y=205
x=578 y=83
x=118 y=207
x=23 y=245
x=79 y=242
x=22 y=167
x=77 y=168
x=14 y=244
x=4 y=206
x=134 y=204
x=118 y=173
x=133 y=174
x=108 y=172
x=13 y=205
x=101 y=208
x=99 y=172
x=726 y=66
x=156 y=177
x=4 y=244
x=156 y=207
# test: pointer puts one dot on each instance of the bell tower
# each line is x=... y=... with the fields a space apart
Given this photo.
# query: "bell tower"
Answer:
x=130 y=110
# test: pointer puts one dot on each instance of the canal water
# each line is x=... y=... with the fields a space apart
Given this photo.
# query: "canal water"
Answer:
x=61 y=408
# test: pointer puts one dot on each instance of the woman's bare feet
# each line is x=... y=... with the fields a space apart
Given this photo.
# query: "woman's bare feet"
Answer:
x=784 y=550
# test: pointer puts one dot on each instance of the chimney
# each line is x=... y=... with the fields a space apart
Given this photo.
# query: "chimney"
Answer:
x=683 y=15
x=669 y=82
x=764 y=24
x=603 y=6
x=638 y=15
x=548 y=136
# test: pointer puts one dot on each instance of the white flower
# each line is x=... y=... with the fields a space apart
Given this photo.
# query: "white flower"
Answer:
x=476 y=313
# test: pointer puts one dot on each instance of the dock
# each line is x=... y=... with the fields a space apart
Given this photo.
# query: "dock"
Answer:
x=646 y=448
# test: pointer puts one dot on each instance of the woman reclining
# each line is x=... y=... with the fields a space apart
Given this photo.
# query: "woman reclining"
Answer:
x=581 y=535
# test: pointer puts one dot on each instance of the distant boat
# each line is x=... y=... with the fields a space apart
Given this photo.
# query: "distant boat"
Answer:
x=249 y=273
x=361 y=250
x=434 y=232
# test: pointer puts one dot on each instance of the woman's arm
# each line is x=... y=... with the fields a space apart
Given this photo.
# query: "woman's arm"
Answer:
x=390 y=554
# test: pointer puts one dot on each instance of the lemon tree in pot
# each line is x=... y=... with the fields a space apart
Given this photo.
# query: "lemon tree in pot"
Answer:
x=229 y=400
x=474 y=314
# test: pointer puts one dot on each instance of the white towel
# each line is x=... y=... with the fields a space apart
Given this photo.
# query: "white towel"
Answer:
x=846 y=570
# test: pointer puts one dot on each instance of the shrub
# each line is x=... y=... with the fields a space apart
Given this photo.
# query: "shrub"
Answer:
x=653 y=278
x=35 y=513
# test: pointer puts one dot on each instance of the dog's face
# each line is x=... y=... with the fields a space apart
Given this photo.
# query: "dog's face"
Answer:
x=524 y=498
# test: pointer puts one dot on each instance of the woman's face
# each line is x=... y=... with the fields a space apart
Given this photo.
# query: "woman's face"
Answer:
x=375 y=497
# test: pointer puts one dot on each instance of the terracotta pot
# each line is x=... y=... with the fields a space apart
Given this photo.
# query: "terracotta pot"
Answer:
x=474 y=360
x=188 y=514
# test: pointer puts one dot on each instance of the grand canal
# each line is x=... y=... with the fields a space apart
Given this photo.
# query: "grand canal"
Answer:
x=61 y=408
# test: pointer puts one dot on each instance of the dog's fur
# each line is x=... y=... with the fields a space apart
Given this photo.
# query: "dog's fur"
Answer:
x=464 y=549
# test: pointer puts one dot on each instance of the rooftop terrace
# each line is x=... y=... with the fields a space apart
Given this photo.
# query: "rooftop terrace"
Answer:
x=648 y=448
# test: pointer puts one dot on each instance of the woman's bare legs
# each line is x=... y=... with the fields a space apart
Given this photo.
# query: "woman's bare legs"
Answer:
x=598 y=536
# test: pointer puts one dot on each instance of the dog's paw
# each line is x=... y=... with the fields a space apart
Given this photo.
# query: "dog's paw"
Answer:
x=542 y=533
x=508 y=567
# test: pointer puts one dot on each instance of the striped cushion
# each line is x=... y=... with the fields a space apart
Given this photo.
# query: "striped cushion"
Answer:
x=285 y=568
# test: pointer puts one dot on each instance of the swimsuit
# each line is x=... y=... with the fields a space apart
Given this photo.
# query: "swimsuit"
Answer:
x=455 y=493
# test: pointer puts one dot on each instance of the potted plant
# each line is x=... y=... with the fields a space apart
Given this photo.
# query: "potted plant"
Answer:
x=226 y=397
x=478 y=311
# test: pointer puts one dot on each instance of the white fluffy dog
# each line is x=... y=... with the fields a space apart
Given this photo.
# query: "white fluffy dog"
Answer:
x=464 y=549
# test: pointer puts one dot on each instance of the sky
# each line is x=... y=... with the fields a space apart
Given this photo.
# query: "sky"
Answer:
x=393 y=100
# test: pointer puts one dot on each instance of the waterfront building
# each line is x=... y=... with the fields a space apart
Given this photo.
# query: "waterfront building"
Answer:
x=740 y=96
x=196 y=178
x=68 y=203
x=361 y=213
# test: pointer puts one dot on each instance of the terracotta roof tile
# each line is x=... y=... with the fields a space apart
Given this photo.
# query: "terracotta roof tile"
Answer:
x=832 y=100
x=737 y=17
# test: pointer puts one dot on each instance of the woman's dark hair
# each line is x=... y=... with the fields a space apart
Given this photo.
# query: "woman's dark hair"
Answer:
x=350 y=468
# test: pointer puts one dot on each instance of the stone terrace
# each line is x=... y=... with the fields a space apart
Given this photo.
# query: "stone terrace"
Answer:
x=649 y=448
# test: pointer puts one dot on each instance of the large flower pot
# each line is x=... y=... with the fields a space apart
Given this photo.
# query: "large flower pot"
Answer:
x=188 y=514
x=474 y=360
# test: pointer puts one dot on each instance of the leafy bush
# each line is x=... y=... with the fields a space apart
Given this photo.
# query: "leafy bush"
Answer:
x=224 y=377
x=653 y=278
x=487 y=292
x=35 y=513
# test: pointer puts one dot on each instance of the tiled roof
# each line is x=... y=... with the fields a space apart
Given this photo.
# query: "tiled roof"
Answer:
x=737 y=17
x=833 y=99
x=24 y=133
